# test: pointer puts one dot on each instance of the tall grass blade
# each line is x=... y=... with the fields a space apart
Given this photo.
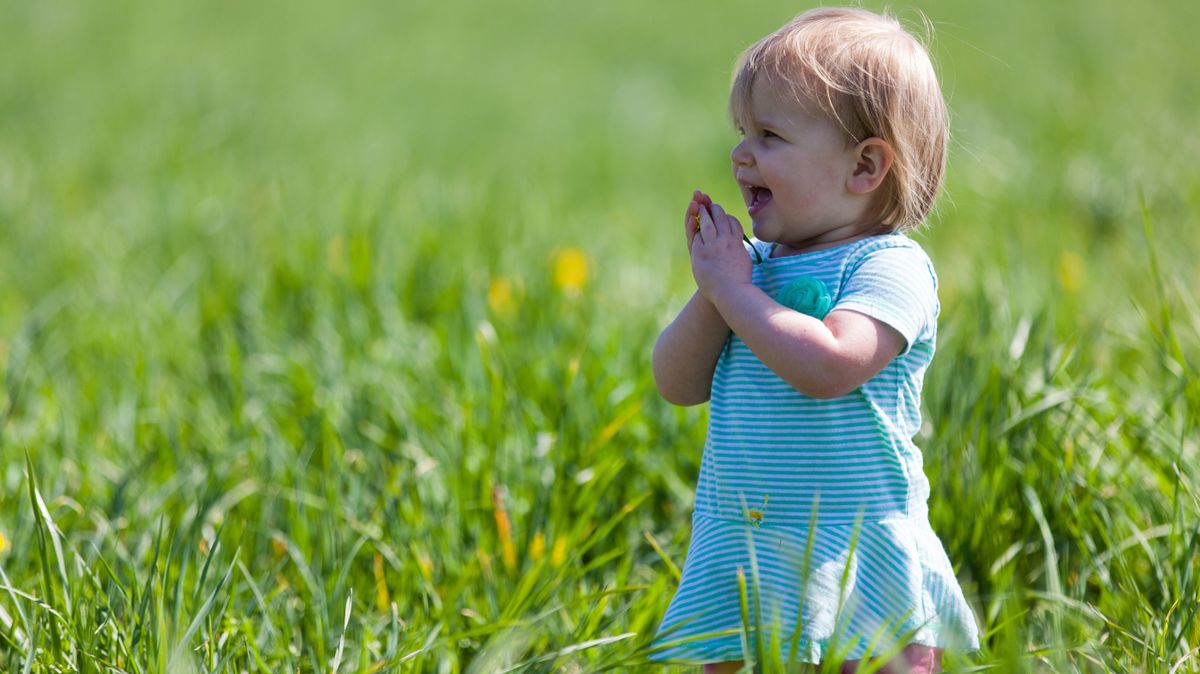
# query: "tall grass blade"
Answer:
x=31 y=654
x=568 y=650
x=805 y=575
x=759 y=635
x=744 y=604
x=337 y=656
x=139 y=628
x=182 y=646
x=212 y=551
x=662 y=554
x=42 y=529
x=15 y=629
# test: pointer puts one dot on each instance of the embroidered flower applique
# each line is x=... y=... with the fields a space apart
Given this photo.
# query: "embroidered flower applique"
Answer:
x=807 y=295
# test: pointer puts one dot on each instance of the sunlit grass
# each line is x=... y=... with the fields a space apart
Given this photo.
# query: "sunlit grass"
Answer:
x=325 y=332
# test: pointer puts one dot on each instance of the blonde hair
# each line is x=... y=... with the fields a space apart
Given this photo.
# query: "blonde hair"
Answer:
x=874 y=78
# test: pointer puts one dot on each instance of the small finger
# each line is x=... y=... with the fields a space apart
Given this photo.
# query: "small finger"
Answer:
x=707 y=231
x=703 y=200
x=691 y=221
x=730 y=226
x=719 y=220
x=692 y=214
x=735 y=226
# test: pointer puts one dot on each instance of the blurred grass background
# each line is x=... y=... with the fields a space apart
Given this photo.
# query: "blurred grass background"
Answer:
x=326 y=329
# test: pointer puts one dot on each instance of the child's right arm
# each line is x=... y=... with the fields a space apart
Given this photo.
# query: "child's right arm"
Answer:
x=686 y=352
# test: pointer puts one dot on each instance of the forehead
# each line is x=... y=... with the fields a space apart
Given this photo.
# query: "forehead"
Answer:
x=772 y=99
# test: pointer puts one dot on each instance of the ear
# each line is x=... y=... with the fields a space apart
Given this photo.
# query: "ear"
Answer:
x=872 y=160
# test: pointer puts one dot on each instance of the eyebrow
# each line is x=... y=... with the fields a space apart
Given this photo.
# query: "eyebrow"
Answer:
x=764 y=122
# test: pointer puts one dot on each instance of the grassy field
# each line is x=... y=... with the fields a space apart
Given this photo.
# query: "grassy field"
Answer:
x=326 y=330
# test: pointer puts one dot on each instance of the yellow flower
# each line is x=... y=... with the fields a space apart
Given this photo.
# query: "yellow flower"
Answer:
x=500 y=296
x=560 y=552
x=3 y=542
x=570 y=270
x=425 y=564
x=382 y=597
x=1072 y=271
x=508 y=551
x=756 y=515
x=537 y=548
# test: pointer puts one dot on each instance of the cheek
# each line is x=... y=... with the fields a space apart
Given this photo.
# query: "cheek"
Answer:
x=796 y=190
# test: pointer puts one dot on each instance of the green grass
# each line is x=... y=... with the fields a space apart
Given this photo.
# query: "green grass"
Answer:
x=258 y=414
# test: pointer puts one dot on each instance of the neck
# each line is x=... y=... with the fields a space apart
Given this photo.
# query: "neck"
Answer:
x=827 y=240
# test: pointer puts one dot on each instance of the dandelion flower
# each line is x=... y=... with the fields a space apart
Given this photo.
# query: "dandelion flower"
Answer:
x=570 y=270
x=500 y=296
x=537 y=548
x=1072 y=271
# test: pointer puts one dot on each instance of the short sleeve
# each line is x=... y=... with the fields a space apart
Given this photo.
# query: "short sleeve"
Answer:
x=895 y=285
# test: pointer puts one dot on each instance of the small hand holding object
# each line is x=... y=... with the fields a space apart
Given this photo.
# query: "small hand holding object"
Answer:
x=691 y=219
x=691 y=222
x=718 y=254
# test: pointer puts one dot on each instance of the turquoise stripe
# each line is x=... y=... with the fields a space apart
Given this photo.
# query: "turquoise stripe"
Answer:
x=790 y=441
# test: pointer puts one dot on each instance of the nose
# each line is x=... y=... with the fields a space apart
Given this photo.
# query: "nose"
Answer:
x=740 y=154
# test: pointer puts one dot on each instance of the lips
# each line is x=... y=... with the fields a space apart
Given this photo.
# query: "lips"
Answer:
x=759 y=198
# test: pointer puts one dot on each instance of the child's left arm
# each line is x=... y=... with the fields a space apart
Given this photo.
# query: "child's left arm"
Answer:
x=820 y=358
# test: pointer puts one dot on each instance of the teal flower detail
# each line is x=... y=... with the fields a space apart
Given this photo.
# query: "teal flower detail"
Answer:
x=806 y=295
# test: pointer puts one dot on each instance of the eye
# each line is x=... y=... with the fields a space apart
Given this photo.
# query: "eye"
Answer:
x=767 y=134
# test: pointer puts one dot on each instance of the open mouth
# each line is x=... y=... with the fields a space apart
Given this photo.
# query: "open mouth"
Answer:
x=759 y=198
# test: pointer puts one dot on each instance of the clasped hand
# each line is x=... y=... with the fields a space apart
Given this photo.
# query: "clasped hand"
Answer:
x=718 y=256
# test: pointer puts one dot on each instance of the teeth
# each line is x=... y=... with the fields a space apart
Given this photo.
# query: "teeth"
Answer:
x=757 y=194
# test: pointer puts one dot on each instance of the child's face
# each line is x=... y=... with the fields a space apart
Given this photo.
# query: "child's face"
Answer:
x=792 y=166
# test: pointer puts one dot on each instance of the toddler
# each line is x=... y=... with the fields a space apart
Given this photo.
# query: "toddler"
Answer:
x=810 y=530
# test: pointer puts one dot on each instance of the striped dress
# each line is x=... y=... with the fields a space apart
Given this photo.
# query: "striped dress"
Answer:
x=814 y=510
